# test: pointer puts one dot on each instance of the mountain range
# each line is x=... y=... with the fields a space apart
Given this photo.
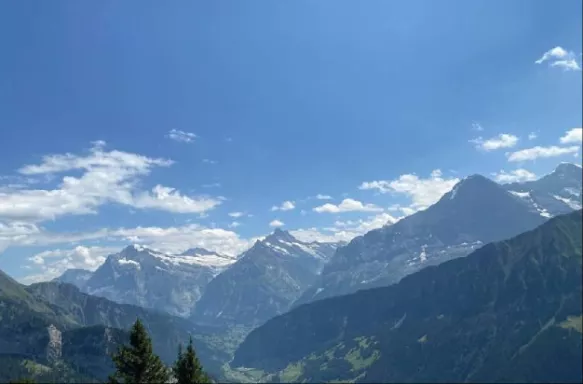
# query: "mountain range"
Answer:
x=476 y=211
x=152 y=279
x=220 y=299
x=508 y=312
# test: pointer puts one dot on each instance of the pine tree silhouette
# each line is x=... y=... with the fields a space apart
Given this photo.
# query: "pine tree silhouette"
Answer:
x=187 y=368
x=137 y=363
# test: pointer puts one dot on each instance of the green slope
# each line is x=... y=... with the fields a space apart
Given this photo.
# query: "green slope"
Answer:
x=511 y=311
x=90 y=328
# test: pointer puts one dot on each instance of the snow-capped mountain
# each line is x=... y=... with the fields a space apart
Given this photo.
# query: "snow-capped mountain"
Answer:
x=556 y=193
x=476 y=211
x=264 y=281
x=151 y=279
x=76 y=276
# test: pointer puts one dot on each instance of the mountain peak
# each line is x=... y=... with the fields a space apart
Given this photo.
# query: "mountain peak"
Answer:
x=280 y=235
x=471 y=184
x=133 y=248
x=565 y=167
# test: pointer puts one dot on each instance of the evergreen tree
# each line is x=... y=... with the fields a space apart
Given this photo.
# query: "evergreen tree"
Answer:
x=187 y=368
x=136 y=363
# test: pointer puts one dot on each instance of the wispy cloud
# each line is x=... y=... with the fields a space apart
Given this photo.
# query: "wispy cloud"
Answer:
x=170 y=200
x=285 y=206
x=477 y=127
x=236 y=214
x=560 y=58
x=209 y=161
x=503 y=140
x=181 y=136
x=344 y=230
x=276 y=223
x=517 y=175
x=323 y=197
x=540 y=152
x=532 y=136
x=347 y=205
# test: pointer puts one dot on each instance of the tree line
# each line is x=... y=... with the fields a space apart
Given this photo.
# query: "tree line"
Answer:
x=136 y=363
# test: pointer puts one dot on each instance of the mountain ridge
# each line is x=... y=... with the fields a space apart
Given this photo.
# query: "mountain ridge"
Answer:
x=476 y=211
x=504 y=313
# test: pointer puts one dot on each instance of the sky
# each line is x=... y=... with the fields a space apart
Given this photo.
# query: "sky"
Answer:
x=210 y=123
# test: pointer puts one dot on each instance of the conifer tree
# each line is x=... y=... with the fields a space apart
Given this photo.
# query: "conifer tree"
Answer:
x=137 y=363
x=187 y=368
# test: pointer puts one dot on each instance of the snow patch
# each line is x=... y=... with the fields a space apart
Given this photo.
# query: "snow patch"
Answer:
x=125 y=261
x=277 y=248
x=572 y=191
x=523 y=195
x=454 y=190
x=423 y=254
x=572 y=204
x=202 y=260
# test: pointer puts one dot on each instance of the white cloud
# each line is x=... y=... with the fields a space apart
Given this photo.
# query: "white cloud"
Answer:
x=212 y=185
x=556 y=53
x=532 y=136
x=53 y=263
x=422 y=192
x=181 y=136
x=347 y=205
x=323 y=236
x=177 y=239
x=540 y=152
x=517 y=175
x=285 y=206
x=503 y=140
x=364 y=225
x=107 y=177
x=572 y=136
x=234 y=224
x=236 y=214
x=170 y=200
x=276 y=223
x=561 y=58
x=209 y=161
x=323 y=197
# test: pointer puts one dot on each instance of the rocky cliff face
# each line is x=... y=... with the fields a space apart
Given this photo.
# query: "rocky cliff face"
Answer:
x=55 y=344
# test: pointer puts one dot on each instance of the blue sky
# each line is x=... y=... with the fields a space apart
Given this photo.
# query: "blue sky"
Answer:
x=157 y=122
